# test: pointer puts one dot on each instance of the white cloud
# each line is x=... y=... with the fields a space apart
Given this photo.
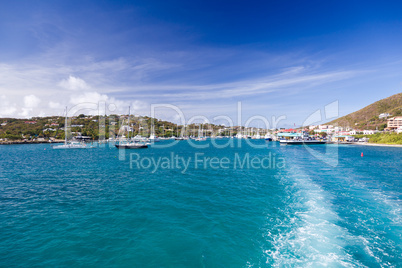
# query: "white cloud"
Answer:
x=7 y=108
x=88 y=97
x=136 y=82
x=26 y=112
x=91 y=103
x=31 y=101
x=74 y=83
x=138 y=107
x=54 y=105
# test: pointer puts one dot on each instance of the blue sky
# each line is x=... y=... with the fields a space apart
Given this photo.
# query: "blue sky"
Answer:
x=275 y=57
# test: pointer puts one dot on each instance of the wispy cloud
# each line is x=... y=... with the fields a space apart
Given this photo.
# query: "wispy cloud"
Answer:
x=123 y=82
x=255 y=87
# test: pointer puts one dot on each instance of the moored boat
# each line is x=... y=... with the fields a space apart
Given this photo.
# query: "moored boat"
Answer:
x=71 y=144
x=131 y=145
x=302 y=141
x=138 y=142
x=268 y=137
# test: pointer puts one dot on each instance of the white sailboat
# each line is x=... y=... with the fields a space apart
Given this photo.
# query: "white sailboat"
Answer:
x=153 y=137
x=257 y=136
x=70 y=144
x=126 y=143
x=200 y=135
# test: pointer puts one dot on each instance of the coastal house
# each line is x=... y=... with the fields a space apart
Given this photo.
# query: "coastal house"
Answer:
x=30 y=122
x=128 y=129
x=328 y=130
x=370 y=132
x=325 y=126
x=345 y=133
x=394 y=123
x=289 y=130
x=384 y=115
x=343 y=138
x=49 y=129
x=83 y=138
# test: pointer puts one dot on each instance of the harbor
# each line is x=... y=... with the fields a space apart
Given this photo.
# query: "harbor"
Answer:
x=175 y=134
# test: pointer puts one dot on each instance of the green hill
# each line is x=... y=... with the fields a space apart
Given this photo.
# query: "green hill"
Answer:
x=367 y=118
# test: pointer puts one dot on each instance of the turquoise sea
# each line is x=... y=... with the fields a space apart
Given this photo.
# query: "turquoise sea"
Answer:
x=235 y=206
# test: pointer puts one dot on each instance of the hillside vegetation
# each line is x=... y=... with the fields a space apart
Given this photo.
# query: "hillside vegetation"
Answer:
x=18 y=129
x=367 y=118
x=383 y=138
x=53 y=127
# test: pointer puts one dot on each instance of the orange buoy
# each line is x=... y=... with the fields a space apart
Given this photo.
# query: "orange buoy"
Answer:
x=362 y=155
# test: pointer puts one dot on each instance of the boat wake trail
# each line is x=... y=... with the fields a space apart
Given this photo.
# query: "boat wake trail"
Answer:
x=308 y=235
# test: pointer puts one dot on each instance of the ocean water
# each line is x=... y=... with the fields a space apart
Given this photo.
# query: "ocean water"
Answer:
x=180 y=206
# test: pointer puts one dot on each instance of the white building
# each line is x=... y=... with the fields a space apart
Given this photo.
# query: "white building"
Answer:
x=49 y=129
x=383 y=115
x=370 y=132
x=328 y=131
x=325 y=126
x=395 y=122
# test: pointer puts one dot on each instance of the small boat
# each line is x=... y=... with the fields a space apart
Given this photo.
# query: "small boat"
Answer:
x=306 y=142
x=256 y=136
x=304 y=139
x=138 y=142
x=200 y=135
x=71 y=144
x=268 y=137
x=131 y=145
x=154 y=138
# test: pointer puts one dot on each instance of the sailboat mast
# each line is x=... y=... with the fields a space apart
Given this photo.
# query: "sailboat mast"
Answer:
x=65 y=128
x=128 y=122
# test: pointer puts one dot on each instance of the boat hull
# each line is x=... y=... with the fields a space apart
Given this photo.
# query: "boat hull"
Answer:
x=303 y=142
x=131 y=146
x=72 y=146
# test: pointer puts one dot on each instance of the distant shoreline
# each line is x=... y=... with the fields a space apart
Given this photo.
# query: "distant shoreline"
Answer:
x=29 y=142
x=376 y=144
x=61 y=141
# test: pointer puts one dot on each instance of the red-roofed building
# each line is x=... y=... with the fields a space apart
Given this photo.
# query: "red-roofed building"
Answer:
x=290 y=130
